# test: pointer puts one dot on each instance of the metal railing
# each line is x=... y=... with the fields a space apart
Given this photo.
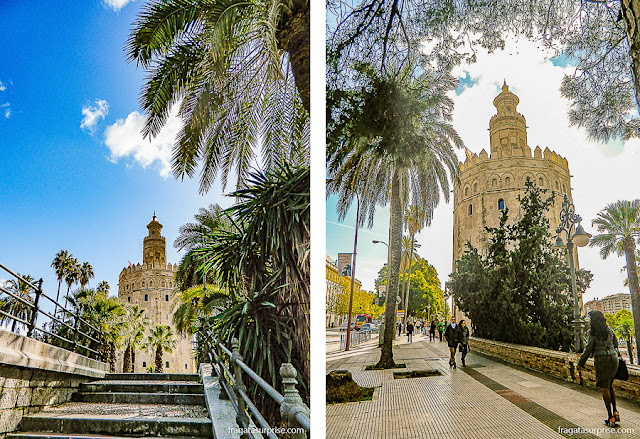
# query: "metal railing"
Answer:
x=292 y=408
x=72 y=321
x=357 y=337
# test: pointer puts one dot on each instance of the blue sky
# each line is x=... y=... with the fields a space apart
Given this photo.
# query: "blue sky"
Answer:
x=90 y=190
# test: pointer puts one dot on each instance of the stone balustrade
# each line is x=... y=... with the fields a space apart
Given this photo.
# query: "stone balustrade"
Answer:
x=34 y=375
x=555 y=363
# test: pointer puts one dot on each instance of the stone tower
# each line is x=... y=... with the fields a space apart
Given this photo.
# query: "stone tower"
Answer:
x=489 y=183
x=150 y=286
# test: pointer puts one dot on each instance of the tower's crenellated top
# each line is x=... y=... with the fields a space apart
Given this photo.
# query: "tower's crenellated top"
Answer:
x=154 y=245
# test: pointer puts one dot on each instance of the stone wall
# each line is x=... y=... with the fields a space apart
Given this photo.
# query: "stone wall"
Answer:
x=34 y=375
x=558 y=364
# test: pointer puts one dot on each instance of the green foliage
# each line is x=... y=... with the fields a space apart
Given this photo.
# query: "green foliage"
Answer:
x=622 y=325
x=16 y=307
x=159 y=341
x=520 y=292
x=241 y=86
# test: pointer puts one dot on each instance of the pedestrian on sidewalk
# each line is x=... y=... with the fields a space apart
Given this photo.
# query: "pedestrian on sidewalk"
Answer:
x=452 y=334
x=603 y=344
x=440 y=329
x=432 y=330
x=409 y=332
x=464 y=340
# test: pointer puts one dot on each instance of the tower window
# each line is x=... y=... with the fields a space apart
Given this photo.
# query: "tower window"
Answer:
x=507 y=181
x=470 y=209
x=128 y=299
x=475 y=188
x=167 y=364
x=166 y=297
x=494 y=182
x=500 y=204
x=186 y=367
x=540 y=182
x=144 y=364
x=146 y=297
x=466 y=192
x=151 y=284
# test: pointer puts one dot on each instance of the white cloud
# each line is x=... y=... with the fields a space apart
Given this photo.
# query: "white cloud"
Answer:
x=2 y=86
x=124 y=140
x=116 y=5
x=7 y=113
x=93 y=113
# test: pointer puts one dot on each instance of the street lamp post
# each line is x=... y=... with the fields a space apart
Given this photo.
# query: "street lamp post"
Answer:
x=568 y=220
x=387 y=288
x=353 y=274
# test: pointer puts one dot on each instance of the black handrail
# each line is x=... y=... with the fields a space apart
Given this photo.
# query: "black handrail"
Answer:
x=78 y=336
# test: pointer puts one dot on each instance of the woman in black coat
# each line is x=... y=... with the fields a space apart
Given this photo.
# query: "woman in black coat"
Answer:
x=604 y=347
x=452 y=334
x=464 y=340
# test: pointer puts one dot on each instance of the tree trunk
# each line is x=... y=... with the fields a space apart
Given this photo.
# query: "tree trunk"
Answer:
x=126 y=361
x=630 y=348
x=159 y=367
x=133 y=358
x=630 y=10
x=395 y=250
x=293 y=36
x=629 y=247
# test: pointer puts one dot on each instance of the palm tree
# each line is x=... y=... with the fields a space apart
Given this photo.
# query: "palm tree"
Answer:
x=196 y=303
x=391 y=141
x=197 y=235
x=241 y=72
x=59 y=264
x=15 y=307
x=71 y=275
x=618 y=225
x=160 y=340
x=135 y=321
x=103 y=288
x=85 y=273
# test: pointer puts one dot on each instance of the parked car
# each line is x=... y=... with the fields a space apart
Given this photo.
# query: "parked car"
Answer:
x=343 y=327
x=370 y=327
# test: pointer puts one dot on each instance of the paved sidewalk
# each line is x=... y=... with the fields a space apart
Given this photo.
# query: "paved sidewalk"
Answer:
x=486 y=399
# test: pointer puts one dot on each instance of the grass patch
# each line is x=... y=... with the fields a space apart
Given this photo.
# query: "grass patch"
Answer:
x=341 y=388
x=417 y=374
x=374 y=367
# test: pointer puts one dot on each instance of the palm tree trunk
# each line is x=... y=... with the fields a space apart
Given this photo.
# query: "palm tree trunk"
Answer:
x=395 y=251
x=629 y=247
x=133 y=358
x=159 y=359
x=57 y=297
x=294 y=37
x=126 y=361
x=630 y=348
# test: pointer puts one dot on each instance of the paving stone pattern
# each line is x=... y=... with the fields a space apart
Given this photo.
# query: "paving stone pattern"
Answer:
x=493 y=400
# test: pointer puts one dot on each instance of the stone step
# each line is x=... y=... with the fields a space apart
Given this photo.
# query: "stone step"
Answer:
x=153 y=376
x=136 y=386
x=140 y=398
x=45 y=435
x=117 y=425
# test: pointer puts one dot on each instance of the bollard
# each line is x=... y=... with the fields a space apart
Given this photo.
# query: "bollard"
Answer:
x=242 y=419
x=292 y=403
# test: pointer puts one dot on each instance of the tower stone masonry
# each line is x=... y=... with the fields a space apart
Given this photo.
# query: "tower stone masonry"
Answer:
x=150 y=286
x=489 y=183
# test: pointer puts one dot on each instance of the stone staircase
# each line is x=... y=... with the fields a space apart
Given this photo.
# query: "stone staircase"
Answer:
x=126 y=405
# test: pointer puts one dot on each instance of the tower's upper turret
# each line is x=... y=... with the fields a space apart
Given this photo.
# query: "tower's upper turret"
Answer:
x=507 y=128
x=154 y=245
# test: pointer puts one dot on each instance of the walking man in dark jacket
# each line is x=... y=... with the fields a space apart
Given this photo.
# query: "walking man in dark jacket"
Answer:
x=432 y=331
x=410 y=332
x=452 y=334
